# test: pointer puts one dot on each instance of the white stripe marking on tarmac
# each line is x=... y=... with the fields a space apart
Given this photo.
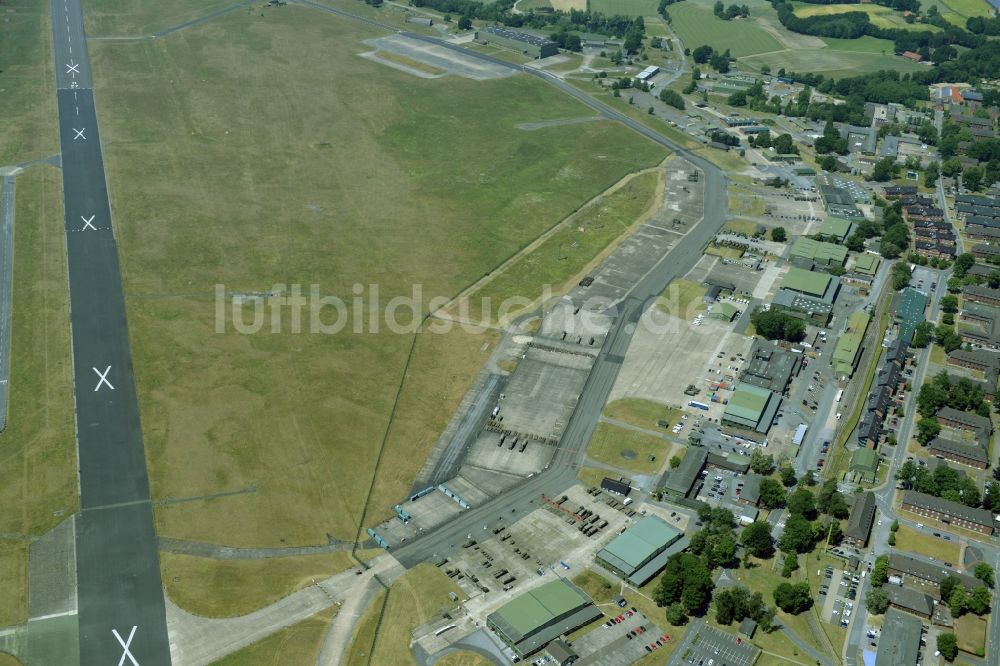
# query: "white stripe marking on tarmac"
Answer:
x=52 y=615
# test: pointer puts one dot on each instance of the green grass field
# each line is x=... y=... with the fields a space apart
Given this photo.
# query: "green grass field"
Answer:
x=27 y=104
x=609 y=442
x=389 y=180
x=971 y=632
x=463 y=659
x=839 y=60
x=642 y=413
x=38 y=448
x=738 y=226
x=910 y=540
x=297 y=644
x=683 y=298
x=957 y=11
x=124 y=18
x=625 y=7
x=696 y=25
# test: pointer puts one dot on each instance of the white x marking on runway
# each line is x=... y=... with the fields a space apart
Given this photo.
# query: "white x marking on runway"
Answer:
x=87 y=223
x=72 y=69
x=79 y=134
x=125 y=645
x=104 y=380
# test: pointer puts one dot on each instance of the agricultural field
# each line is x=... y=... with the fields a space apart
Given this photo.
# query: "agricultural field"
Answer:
x=879 y=15
x=695 y=24
x=841 y=58
x=625 y=7
x=957 y=11
x=297 y=644
x=370 y=191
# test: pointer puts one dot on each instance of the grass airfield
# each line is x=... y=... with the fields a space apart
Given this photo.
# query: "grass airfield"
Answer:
x=252 y=151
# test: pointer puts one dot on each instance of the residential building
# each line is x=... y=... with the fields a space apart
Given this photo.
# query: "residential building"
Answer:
x=859 y=525
x=947 y=511
x=965 y=421
x=910 y=569
x=909 y=600
x=973 y=454
x=980 y=294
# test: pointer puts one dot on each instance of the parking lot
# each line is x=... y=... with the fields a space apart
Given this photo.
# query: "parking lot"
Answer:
x=837 y=594
x=621 y=643
x=712 y=647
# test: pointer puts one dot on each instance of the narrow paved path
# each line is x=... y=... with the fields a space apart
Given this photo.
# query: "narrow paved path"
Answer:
x=217 y=552
x=196 y=641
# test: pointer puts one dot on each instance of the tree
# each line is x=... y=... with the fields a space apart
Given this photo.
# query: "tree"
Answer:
x=793 y=598
x=958 y=601
x=894 y=527
x=884 y=170
x=828 y=163
x=787 y=474
x=702 y=54
x=948 y=585
x=984 y=572
x=880 y=571
x=676 y=615
x=931 y=174
x=798 y=536
x=927 y=429
x=901 y=275
x=775 y=325
x=979 y=601
x=464 y=22
x=802 y=503
x=963 y=263
x=785 y=145
x=757 y=539
x=772 y=494
x=949 y=303
x=951 y=167
x=892 y=539
x=855 y=242
x=778 y=235
x=809 y=478
x=922 y=334
x=761 y=463
x=687 y=580
x=675 y=462
x=790 y=565
x=672 y=98
x=947 y=644
x=972 y=178
x=877 y=601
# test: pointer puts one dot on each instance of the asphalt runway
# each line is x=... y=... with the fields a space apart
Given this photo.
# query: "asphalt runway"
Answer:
x=122 y=619
x=6 y=275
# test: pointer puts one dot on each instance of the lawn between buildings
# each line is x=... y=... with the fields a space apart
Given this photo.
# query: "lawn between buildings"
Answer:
x=388 y=180
x=909 y=540
x=642 y=413
x=971 y=632
x=38 y=483
x=297 y=644
x=610 y=444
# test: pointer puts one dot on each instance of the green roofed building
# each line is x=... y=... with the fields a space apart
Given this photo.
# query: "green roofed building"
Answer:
x=724 y=311
x=847 y=353
x=868 y=263
x=837 y=227
x=817 y=285
x=751 y=408
x=532 y=620
x=910 y=309
x=824 y=254
x=641 y=551
x=864 y=463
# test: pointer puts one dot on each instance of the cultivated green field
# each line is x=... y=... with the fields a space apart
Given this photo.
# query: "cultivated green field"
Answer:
x=881 y=16
x=957 y=11
x=345 y=173
x=841 y=58
x=625 y=7
x=696 y=25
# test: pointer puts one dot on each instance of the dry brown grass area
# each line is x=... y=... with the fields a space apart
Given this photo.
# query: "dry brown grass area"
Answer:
x=297 y=644
x=228 y=588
